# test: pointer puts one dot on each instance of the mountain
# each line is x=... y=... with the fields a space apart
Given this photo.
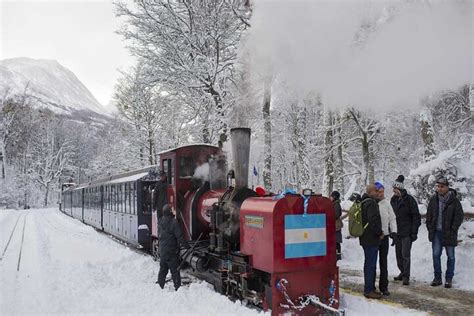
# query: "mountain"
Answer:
x=49 y=84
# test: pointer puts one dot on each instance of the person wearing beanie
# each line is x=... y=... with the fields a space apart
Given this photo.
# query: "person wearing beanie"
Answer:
x=336 y=201
x=170 y=238
x=370 y=239
x=408 y=220
x=444 y=215
x=389 y=228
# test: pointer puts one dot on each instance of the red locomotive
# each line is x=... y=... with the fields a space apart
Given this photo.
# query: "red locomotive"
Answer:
x=274 y=252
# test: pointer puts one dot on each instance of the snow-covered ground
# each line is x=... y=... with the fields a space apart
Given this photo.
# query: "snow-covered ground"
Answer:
x=67 y=267
x=421 y=258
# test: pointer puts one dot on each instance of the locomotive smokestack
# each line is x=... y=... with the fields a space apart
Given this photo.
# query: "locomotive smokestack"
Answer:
x=241 y=153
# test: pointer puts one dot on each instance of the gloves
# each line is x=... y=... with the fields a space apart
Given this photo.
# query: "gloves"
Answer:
x=413 y=238
x=393 y=236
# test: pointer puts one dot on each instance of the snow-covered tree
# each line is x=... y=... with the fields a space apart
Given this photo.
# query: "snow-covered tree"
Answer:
x=50 y=152
x=190 y=49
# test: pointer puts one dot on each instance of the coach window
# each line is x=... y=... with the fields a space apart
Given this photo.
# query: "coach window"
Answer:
x=168 y=169
x=112 y=197
x=121 y=197
x=186 y=167
x=130 y=197
x=134 y=198
x=127 y=209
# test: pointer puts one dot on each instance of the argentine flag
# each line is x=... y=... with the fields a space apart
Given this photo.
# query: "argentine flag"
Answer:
x=305 y=236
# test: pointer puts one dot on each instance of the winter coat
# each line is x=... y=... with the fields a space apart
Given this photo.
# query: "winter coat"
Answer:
x=388 y=218
x=453 y=216
x=370 y=215
x=170 y=236
x=407 y=213
x=161 y=196
x=338 y=209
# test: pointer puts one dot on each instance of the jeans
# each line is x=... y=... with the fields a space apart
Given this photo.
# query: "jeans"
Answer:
x=403 y=252
x=437 y=247
x=383 y=253
x=370 y=266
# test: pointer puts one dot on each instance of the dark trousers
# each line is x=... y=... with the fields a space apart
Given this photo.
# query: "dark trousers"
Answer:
x=383 y=259
x=169 y=262
x=403 y=252
x=370 y=266
x=437 y=247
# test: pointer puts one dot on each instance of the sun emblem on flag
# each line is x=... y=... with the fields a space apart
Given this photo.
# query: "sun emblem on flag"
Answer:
x=305 y=235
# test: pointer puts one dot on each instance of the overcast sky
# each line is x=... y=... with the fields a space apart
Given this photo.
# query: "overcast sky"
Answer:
x=80 y=35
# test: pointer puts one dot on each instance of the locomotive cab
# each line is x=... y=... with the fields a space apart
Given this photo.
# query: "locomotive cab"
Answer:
x=187 y=175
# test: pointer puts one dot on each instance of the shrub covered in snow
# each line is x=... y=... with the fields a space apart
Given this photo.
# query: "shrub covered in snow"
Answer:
x=448 y=163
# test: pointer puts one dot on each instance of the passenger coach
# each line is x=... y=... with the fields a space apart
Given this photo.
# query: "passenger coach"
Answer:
x=120 y=205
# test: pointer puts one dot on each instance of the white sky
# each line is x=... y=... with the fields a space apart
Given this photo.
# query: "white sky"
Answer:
x=80 y=35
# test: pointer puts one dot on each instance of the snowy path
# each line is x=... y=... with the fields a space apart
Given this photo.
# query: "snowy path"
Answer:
x=420 y=296
x=69 y=268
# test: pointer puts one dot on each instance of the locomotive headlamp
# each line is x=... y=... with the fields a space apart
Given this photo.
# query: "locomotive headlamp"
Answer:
x=307 y=192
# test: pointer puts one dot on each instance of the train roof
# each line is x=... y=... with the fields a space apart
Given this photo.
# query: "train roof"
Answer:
x=130 y=176
x=184 y=146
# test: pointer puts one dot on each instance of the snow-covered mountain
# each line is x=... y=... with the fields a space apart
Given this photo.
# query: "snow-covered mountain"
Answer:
x=49 y=84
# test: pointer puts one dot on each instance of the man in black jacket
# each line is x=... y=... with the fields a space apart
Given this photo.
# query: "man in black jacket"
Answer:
x=170 y=238
x=444 y=215
x=408 y=220
x=370 y=239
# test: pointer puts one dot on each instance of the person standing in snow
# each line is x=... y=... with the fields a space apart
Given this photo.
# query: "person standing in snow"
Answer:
x=444 y=215
x=389 y=228
x=408 y=220
x=335 y=198
x=370 y=239
x=170 y=238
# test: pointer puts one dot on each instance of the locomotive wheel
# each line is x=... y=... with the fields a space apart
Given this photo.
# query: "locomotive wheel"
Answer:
x=155 y=250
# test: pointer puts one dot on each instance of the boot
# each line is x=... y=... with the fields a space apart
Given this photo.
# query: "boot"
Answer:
x=406 y=281
x=385 y=292
x=373 y=295
x=436 y=282
x=398 y=278
x=449 y=283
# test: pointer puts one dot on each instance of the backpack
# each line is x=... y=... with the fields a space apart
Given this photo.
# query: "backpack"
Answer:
x=356 y=228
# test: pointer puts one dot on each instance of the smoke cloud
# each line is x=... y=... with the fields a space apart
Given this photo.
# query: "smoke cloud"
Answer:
x=202 y=172
x=383 y=55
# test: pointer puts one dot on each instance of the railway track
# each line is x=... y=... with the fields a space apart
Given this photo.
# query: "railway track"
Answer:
x=21 y=245
x=10 y=238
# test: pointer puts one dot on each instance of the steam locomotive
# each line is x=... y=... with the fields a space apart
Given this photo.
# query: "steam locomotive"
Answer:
x=271 y=251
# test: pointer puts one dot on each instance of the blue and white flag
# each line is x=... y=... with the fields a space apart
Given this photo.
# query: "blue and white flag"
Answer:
x=305 y=236
x=255 y=172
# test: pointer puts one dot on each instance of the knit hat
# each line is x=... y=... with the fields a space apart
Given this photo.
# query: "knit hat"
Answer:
x=335 y=195
x=355 y=197
x=398 y=184
x=379 y=185
x=443 y=181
